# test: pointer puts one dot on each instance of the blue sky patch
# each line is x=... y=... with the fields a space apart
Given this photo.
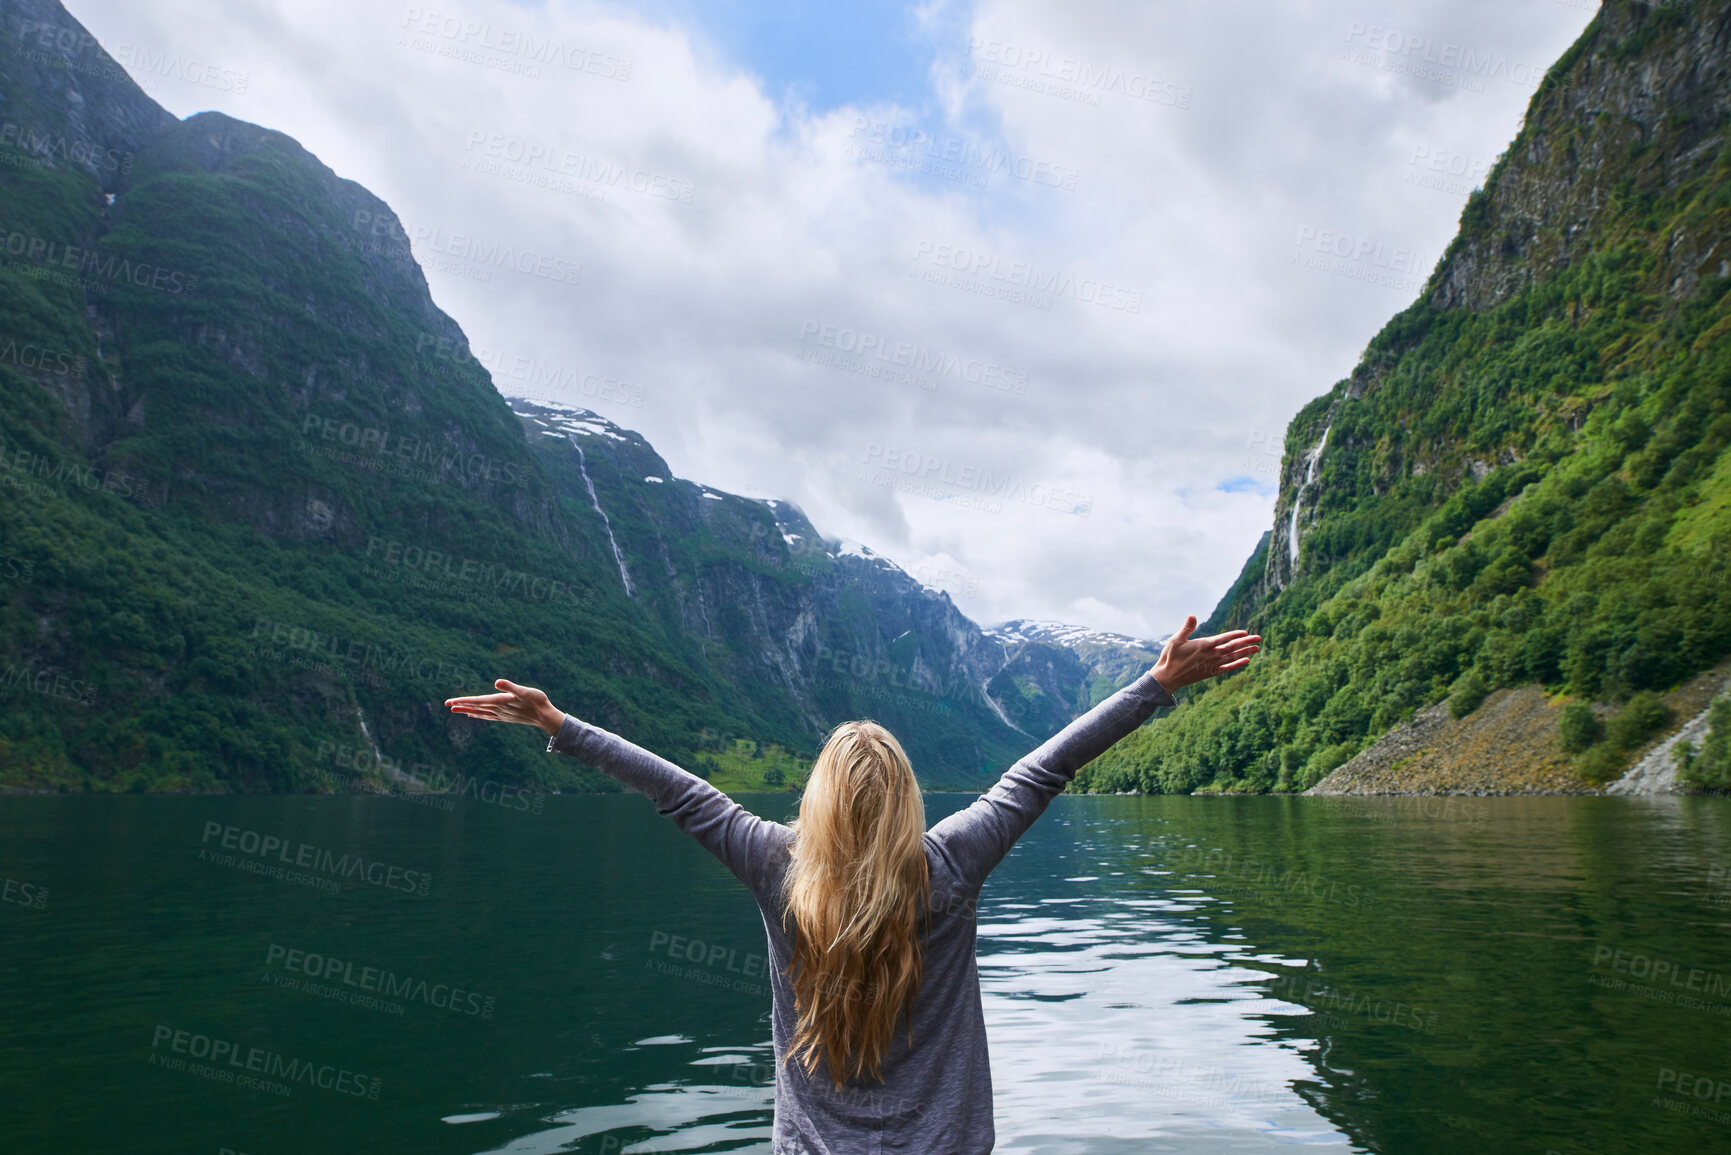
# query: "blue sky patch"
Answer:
x=1244 y=483
x=822 y=55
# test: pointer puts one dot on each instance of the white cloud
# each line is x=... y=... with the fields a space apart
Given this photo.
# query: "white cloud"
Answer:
x=705 y=307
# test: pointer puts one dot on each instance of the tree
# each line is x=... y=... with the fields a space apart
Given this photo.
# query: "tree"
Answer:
x=1579 y=727
x=1469 y=692
x=1710 y=767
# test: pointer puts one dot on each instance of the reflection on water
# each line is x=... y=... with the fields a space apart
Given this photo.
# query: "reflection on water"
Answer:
x=1159 y=974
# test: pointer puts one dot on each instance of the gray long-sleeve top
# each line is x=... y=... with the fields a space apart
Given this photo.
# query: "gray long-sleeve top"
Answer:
x=936 y=1095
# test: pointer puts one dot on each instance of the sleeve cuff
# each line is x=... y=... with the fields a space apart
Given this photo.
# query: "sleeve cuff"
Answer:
x=568 y=737
x=1161 y=696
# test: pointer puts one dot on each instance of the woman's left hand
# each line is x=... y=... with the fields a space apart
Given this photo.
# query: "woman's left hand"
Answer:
x=1186 y=660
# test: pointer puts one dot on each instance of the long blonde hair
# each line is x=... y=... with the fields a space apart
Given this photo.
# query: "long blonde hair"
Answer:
x=856 y=891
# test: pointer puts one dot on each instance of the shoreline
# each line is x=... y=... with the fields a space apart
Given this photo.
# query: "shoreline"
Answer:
x=1509 y=746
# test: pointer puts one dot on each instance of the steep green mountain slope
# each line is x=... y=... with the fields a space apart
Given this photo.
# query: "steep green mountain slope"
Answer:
x=264 y=511
x=1525 y=478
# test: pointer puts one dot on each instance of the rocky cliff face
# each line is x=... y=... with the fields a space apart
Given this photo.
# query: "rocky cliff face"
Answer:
x=1642 y=102
x=71 y=108
x=1638 y=106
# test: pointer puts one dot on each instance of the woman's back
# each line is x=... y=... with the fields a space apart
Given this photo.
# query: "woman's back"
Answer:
x=936 y=1094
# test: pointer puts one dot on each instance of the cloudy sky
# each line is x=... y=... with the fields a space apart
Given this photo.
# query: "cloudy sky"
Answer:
x=1019 y=294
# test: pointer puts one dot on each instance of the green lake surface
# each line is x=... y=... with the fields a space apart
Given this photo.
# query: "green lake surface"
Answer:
x=1160 y=974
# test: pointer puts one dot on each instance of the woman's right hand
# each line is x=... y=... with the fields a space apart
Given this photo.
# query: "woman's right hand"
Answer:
x=522 y=704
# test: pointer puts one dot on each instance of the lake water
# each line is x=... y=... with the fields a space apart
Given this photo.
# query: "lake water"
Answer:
x=1160 y=974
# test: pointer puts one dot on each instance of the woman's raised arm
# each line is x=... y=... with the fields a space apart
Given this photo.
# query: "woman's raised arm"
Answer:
x=976 y=839
x=743 y=842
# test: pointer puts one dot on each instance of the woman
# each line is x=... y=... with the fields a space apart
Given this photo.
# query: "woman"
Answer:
x=871 y=918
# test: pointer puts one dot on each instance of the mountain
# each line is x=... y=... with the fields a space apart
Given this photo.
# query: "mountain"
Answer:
x=1522 y=488
x=819 y=629
x=266 y=510
x=1052 y=672
x=767 y=596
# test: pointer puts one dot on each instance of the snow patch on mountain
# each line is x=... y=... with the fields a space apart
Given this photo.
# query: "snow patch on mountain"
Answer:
x=1018 y=631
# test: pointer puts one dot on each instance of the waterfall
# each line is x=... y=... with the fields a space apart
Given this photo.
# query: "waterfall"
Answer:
x=379 y=759
x=583 y=467
x=1298 y=498
x=998 y=709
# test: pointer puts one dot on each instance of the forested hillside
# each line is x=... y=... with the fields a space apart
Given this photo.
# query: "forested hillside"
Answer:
x=1525 y=479
x=265 y=511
